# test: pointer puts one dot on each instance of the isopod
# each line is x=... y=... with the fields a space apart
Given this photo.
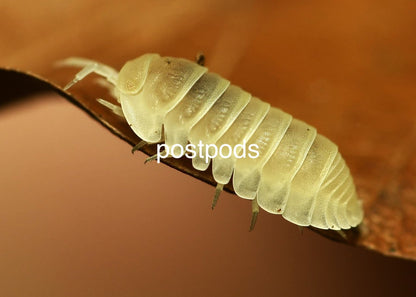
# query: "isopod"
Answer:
x=298 y=173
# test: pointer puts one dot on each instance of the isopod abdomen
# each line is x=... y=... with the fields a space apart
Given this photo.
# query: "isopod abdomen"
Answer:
x=296 y=172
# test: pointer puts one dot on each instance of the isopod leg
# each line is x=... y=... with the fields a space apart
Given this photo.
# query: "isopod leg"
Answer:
x=342 y=234
x=151 y=158
x=114 y=108
x=89 y=67
x=155 y=156
x=255 y=212
x=138 y=146
x=218 y=191
x=109 y=86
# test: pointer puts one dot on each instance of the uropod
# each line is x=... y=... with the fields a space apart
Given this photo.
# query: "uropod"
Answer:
x=295 y=172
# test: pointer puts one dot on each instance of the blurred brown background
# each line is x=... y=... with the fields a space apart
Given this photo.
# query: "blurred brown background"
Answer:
x=81 y=216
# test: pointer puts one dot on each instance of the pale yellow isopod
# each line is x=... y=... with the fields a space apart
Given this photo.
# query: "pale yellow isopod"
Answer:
x=296 y=172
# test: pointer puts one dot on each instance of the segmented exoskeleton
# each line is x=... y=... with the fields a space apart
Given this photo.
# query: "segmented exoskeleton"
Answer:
x=298 y=173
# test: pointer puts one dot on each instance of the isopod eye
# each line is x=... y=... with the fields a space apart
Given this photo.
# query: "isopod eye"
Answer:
x=133 y=74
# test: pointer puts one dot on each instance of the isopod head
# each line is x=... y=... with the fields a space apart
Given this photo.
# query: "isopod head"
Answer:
x=130 y=82
x=133 y=74
x=149 y=87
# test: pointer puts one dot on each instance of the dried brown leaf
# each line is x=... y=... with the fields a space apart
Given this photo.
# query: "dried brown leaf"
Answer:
x=351 y=75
